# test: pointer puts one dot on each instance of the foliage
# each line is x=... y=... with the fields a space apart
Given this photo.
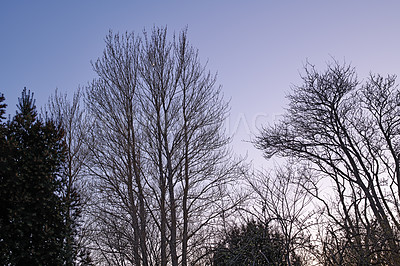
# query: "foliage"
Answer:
x=2 y=107
x=253 y=244
x=33 y=228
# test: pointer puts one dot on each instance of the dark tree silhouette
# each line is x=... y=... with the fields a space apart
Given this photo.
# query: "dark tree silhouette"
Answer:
x=2 y=107
x=347 y=134
x=282 y=201
x=71 y=116
x=160 y=160
x=33 y=228
x=253 y=244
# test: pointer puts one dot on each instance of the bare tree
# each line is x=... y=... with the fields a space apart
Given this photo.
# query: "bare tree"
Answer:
x=161 y=158
x=115 y=155
x=349 y=134
x=72 y=117
x=282 y=202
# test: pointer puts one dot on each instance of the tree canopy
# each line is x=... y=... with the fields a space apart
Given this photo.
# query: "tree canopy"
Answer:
x=32 y=222
x=347 y=133
x=253 y=243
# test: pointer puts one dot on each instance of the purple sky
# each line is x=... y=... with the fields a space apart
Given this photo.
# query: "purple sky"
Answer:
x=257 y=47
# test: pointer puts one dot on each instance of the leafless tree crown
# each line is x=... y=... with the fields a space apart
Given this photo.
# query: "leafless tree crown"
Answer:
x=160 y=155
x=348 y=133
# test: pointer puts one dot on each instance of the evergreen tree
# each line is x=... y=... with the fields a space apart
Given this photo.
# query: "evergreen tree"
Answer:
x=33 y=228
x=252 y=244
x=2 y=107
x=3 y=244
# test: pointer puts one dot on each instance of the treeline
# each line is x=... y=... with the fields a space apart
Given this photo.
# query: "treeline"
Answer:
x=38 y=204
x=136 y=169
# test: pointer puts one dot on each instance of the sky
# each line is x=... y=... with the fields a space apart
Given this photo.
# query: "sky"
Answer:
x=258 y=48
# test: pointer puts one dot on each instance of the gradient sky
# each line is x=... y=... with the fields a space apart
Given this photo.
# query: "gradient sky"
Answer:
x=257 y=47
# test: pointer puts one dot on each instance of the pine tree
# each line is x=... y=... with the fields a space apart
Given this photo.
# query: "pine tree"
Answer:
x=2 y=106
x=3 y=156
x=33 y=228
x=253 y=244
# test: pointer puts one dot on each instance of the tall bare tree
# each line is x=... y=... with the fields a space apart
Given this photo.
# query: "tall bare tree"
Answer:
x=115 y=155
x=72 y=117
x=349 y=133
x=161 y=157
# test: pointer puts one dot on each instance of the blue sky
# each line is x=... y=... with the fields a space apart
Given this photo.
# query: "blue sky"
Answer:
x=257 y=47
